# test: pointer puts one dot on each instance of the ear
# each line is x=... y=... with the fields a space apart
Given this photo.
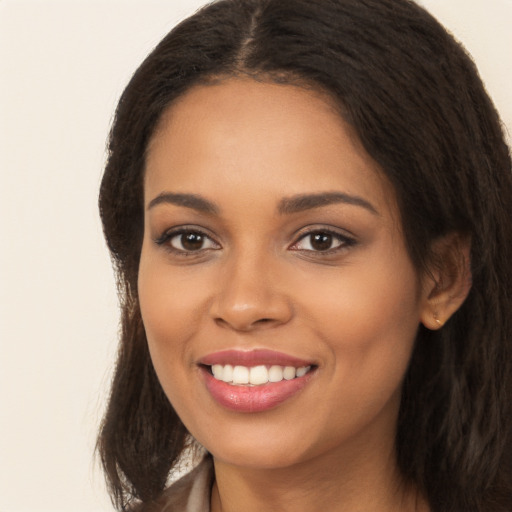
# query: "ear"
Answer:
x=447 y=284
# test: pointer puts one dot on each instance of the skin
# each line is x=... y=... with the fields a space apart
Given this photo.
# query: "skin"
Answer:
x=257 y=282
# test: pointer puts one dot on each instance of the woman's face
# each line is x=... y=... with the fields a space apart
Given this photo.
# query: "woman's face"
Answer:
x=273 y=253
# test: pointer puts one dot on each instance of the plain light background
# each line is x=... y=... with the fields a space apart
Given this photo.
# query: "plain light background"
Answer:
x=63 y=65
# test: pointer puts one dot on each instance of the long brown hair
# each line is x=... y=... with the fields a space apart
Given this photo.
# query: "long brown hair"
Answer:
x=417 y=103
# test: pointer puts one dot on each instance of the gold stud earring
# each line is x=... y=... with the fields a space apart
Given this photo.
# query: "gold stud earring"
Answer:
x=437 y=321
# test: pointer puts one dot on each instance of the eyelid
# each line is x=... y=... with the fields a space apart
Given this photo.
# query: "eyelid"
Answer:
x=347 y=240
x=170 y=233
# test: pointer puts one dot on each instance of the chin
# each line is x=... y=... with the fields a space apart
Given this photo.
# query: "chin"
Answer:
x=254 y=456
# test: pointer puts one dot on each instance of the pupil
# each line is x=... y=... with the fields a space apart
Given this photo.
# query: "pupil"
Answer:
x=192 y=241
x=321 y=241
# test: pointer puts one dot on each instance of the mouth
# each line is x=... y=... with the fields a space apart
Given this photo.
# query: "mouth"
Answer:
x=256 y=375
x=254 y=381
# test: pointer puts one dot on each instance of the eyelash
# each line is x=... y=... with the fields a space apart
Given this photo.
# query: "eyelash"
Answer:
x=344 y=241
x=165 y=240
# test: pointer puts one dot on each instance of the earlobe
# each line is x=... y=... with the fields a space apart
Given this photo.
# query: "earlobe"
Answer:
x=448 y=282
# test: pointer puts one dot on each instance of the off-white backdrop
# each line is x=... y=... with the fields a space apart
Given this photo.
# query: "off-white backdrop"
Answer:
x=63 y=65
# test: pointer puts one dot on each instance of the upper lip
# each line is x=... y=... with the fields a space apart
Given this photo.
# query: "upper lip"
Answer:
x=254 y=357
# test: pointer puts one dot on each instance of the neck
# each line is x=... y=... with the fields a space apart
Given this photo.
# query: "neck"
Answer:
x=332 y=482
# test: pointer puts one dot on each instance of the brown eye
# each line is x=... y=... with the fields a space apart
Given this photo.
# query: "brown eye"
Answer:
x=191 y=241
x=322 y=241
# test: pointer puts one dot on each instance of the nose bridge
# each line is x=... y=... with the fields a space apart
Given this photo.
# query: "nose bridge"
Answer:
x=248 y=295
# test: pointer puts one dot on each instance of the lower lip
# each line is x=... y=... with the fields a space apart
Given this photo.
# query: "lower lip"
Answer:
x=254 y=398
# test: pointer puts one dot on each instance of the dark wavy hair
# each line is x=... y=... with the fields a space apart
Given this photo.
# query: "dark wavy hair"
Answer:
x=415 y=99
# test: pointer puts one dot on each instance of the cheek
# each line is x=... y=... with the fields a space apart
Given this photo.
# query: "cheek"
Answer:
x=172 y=307
x=172 y=299
x=368 y=319
x=370 y=316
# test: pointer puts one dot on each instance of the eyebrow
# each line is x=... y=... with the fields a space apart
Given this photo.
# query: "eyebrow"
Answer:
x=304 y=202
x=192 y=201
x=286 y=206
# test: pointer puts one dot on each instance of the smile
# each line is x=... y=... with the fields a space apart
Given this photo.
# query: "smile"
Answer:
x=254 y=381
x=256 y=375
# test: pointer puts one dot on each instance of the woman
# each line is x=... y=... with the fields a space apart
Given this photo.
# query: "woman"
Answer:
x=309 y=208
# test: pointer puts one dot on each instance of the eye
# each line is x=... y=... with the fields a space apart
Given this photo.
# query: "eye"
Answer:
x=187 y=241
x=322 y=241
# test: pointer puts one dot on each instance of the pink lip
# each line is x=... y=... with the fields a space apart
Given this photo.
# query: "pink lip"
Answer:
x=253 y=399
x=253 y=358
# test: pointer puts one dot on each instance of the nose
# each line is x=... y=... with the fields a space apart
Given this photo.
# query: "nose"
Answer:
x=249 y=297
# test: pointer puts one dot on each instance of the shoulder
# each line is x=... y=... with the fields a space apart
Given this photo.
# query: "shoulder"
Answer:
x=191 y=493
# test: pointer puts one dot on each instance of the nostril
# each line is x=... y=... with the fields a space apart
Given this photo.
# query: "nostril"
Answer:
x=221 y=321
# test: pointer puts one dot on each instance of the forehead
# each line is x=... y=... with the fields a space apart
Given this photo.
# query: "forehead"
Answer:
x=259 y=136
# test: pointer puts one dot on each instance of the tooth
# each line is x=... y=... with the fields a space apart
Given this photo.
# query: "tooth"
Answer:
x=227 y=374
x=217 y=371
x=258 y=375
x=289 y=373
x=240 y=375
x=275 y=374
x=302 y=371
